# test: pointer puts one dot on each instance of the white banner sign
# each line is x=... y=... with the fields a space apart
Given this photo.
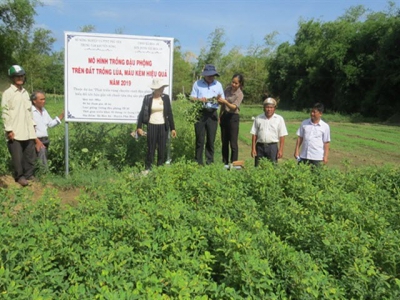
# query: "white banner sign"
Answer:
x=107 y=75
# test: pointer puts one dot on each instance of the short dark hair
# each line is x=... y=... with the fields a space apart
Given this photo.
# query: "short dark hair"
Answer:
x=318 y=106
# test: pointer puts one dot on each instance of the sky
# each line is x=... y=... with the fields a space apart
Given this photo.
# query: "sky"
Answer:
x=245 y=22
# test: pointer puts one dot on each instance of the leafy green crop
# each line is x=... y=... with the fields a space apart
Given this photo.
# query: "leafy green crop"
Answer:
x=191 y=232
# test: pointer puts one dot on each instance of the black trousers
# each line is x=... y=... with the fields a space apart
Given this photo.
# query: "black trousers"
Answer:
x=23 y=156
x=206 y=130
x=269 y=151
x=229 y=135
x=157 y=137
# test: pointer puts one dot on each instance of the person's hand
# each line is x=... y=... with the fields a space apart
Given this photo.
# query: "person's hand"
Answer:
x=253 y=153
x=61 y=116
x=140 y=131
x=204 y=99
x=173 y=133
x=221 y=100
x=296 y=154
x=325 y=160
x=10 y=135
x=280 y=154
x=39 y=145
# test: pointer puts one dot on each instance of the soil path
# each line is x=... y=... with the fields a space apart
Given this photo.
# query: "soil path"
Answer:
x=68 y=197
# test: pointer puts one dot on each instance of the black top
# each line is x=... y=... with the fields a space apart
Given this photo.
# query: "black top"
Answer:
x=145 y=112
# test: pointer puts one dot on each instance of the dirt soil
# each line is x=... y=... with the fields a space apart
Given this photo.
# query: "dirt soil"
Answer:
x=68 y=197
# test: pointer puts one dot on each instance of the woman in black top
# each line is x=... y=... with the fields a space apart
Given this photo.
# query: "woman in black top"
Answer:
x=156 y=113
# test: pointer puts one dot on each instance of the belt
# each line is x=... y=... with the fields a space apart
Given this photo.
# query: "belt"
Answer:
x=268 y=143
x=209 y=110
x=45 y=138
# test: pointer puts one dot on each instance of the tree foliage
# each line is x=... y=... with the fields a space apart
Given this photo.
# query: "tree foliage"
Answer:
x=251 y=63
x=16 y=21
x=351 y=64
x=21 y=43
x=183 y=72
x=213 y=53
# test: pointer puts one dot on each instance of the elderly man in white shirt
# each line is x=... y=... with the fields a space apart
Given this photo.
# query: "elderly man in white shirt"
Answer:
x=43 y=122
x=314 y=138
x=269 y=131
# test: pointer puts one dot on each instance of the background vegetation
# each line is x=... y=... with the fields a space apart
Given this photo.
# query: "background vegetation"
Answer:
x=111 y=146
x=190 y=232
x=351 y=64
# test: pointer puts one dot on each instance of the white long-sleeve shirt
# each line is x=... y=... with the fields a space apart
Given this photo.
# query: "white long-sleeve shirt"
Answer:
x=43 y=121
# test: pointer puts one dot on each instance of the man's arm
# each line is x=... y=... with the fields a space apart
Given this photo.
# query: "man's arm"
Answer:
x=193 y=99
x=53 y=122
x=281 y=145
x=5 y=114
x=223 y=101
x=326 y=152
x=298 y=145
x=253 y=146
x=194 y=94
x=39 y=145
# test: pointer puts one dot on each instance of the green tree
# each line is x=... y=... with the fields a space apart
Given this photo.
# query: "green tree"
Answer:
x=87 y=28
x=213 y=53
x=183 y=72
x=23 y=44
x=255 y=68
x=351 y=64
x=36 y=57
x=53 y=80
x=16 y=21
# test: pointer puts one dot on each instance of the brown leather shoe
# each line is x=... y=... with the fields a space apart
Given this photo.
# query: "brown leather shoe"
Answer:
x=22 y=181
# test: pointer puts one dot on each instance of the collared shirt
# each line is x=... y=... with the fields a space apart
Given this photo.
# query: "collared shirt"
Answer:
x=201 y=89
x=269 y=130
x=233 y=98
x=43 y=121
x=314 y=137
x=17 y=113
